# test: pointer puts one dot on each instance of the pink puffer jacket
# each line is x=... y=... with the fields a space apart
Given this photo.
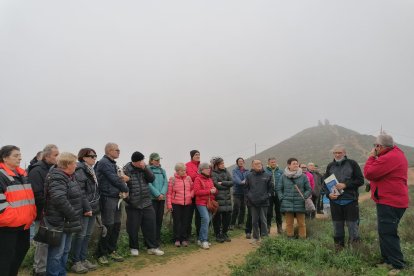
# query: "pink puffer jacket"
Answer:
x=180 y=190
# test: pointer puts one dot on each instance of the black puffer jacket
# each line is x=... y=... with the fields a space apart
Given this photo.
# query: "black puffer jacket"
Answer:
x=64 y=201
x=89 y=186
x=223 y=197
x=37 y=178
x=139 y=191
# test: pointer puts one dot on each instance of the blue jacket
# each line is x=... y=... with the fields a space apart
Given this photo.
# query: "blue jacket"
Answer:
x=160 y=184
x=110 y=184
x=238 y=177
x=276 y=174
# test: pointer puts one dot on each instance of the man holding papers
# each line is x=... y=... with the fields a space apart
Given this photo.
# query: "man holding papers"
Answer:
x=343 y=177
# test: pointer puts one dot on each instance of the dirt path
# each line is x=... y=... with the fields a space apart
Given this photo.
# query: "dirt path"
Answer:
x=215 y=261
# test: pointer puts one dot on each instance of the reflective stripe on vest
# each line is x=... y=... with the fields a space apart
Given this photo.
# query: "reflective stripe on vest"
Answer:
x=7 y=175
x=2 y=197
x=21 y=203
x=18 y=187
x=4 y=205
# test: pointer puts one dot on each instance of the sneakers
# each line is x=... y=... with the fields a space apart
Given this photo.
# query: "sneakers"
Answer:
x=116 y=257
x=226 y=238
x=102 y=260
x=90 y=266
x=177 y=243
x=155 y=251
x=248 y=236
x=134 y=252
x=205 y=245
x=78 y=268
x=255 y=242
x=184 y=243
x=199 y=243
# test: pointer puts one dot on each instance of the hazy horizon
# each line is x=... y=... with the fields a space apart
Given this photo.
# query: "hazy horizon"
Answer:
x=217 y=76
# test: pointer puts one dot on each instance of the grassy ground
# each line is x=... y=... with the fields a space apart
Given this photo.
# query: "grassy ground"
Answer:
x=316 y=255
x=143 y=259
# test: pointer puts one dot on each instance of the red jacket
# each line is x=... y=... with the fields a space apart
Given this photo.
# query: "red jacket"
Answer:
x=180 y=191
x=388 y=176
x=192 y=169
x=17 y=204
x=202 y=187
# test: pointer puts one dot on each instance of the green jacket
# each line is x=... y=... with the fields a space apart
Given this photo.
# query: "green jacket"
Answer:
x=160 y=185
x=290 y=199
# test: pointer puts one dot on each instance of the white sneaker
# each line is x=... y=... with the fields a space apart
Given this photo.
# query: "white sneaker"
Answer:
x=255 y=242
x=205 y=245
x=134 y=252
x=199 y=243
x=155 y=251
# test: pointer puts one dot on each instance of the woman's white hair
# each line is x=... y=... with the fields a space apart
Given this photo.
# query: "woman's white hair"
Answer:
x=385 y=140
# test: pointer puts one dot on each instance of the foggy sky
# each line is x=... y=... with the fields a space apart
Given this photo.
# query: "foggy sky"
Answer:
x=217 y=76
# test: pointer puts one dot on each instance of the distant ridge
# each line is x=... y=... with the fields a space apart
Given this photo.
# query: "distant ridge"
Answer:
x=314 y=145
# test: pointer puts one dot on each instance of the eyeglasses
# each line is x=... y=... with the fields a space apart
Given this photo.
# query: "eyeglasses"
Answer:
x=92 y=156
x=338 y=152
x=117 y=150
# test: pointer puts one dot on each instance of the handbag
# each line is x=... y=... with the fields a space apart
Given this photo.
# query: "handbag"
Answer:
x=47 y=234
x=212 y=205
x=309 y=206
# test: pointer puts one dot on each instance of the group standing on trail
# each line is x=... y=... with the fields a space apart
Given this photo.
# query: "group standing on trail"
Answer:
x=63 y=198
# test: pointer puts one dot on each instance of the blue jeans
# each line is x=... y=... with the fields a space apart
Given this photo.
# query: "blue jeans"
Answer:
x=205 y=220
x=57 y=256
x=81 y=240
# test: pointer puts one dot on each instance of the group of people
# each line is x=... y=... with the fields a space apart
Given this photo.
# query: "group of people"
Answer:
x=71 y=194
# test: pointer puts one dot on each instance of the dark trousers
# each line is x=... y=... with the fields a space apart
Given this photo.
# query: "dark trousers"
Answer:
x=111 y=218
x=14 y=246
x=274 y=203
x=388 y=219
x=221 y=222
x=319 y=203
x=158 y=206
x=181 y=220
x=239 y=210
x=144 y=219
x=259 y=224
x=348 y=214
x=197 y=220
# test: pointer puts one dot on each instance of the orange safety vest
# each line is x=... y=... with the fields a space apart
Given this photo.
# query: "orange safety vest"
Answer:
x=17 y=204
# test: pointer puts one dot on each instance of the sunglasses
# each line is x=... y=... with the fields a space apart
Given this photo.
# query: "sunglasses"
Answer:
x=91 y=156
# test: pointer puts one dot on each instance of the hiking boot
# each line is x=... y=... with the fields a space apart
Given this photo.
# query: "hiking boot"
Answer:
x=184 y=243
x=177 y=243
x=226 y=238
x=219 y=238
x=103 y=260
x=205 y=245
x=155 y=251
x=134 y=252
x=248 y=236
x=78 y=268
x=116 y=257
x=394 y=272
x=255 y=242
x=89 y=265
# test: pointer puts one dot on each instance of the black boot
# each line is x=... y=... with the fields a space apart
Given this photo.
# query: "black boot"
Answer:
x=339 y=243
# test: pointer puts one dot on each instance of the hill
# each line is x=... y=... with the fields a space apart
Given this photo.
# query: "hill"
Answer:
x=314 y=145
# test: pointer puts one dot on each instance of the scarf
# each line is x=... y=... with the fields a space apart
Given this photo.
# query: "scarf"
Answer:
x=292 y=174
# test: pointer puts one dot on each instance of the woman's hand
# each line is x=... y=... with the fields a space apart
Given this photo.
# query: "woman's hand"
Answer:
x=213 y=190
x=87 y=214
x=333 y=196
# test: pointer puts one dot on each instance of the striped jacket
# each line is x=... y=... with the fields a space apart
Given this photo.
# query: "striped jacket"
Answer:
x=17 y=204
